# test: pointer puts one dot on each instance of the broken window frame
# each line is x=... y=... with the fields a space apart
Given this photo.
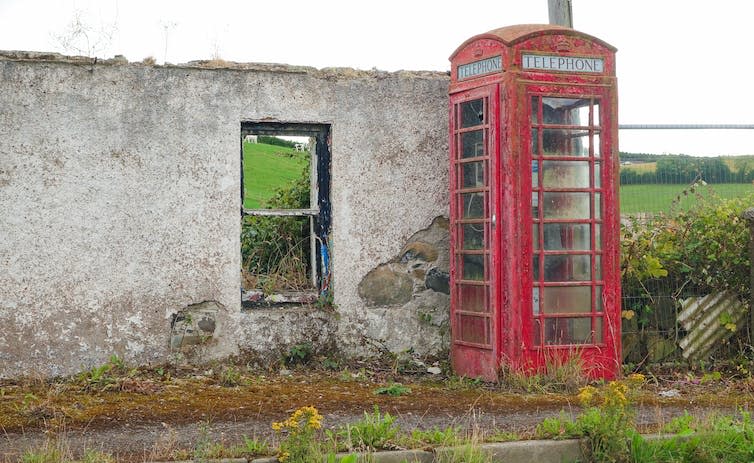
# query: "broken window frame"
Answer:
x=319 y=211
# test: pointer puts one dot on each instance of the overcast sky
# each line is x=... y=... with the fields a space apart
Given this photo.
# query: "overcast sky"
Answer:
x=679 y=61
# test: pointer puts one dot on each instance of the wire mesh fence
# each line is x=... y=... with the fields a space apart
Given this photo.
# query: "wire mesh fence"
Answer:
x=683 y=237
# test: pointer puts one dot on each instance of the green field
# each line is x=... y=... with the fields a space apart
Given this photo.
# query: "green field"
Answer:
x=659 y=198
x=641 y=166
x=267 y=168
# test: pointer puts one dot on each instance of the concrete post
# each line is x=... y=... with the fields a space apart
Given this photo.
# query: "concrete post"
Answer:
x=560 y=12
x=749 y=216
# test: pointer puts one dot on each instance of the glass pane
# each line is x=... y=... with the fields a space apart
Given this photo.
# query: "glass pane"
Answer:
x=565 y=174
x=597 y=206
x=534 y=109
x=566 y=205
x=536 y=333
x=535 y=267
x=567 y=237
x=596 y=114
x=568 y=331
x=472 y=113
x=473 y=205
x=472 y=267
x=473 y=175
x=598 y=330
x=535 y=205
x=597 y=237
x=535 y=236
x=473 y=329
x=567 y=268
x=565 y=111
x=596 y=142
x=568 y=299
x=473 y=236
x=598 y=298
x=535 y=173
x=565 y=142
x=534 y=143
x=472 y=144
x=535 y=300
x=597 y=175
x=597 y=267
x=472 y=298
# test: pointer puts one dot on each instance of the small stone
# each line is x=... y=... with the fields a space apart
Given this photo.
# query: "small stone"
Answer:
x=670 y=393
x=419 y=250
x=438 y=281
x=434 y=370
x=285 y=372
x=382 y=287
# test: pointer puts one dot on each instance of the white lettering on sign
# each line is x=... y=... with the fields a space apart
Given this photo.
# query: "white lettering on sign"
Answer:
x=478 y=68
x=563 y=63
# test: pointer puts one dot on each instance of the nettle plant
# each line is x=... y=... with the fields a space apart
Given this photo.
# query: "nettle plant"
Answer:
x=687 y=252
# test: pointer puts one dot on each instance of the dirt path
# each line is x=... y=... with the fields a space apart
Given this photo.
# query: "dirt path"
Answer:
x=162 y=417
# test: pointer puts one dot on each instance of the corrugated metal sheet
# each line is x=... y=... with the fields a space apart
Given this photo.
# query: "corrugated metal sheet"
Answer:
x=703 y=317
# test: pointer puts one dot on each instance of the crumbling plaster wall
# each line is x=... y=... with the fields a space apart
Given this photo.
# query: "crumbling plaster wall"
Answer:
x=120 y=198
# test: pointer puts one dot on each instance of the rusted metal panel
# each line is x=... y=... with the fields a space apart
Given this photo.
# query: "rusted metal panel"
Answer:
x=709 y=320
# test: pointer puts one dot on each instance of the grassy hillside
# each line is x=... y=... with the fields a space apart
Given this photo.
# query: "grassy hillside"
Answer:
x=658 y=198
x=267 y=168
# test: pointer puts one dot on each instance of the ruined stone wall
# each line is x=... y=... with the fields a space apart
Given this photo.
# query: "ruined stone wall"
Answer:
x=120 y=199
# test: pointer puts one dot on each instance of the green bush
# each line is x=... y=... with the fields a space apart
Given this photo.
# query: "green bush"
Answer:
x=275 y=250
x=688 y=252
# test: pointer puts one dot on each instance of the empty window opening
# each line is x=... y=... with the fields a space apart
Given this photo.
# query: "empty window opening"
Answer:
x=285 y=215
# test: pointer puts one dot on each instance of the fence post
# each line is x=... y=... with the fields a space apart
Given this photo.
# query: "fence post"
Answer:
x=560 y=12
x=749 y=216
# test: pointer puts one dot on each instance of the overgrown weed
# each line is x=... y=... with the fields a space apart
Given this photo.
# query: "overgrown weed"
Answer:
x=560 y=373
x=374 y=431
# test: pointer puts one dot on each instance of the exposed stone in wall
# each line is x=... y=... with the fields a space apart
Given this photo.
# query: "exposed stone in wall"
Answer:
x=409 y=294
x=421 y=265
x=384 y=287
x=194 y=325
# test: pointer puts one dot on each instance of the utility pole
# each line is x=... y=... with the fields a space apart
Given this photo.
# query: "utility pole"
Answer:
x=560 y=12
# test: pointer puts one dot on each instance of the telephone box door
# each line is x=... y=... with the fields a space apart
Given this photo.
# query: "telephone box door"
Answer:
x=474 y=312
x=567 y=152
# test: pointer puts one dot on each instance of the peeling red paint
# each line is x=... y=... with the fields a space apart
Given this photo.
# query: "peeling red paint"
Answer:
x=533 y=156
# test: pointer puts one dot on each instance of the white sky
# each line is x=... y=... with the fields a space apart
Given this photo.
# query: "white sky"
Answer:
x=679 y=61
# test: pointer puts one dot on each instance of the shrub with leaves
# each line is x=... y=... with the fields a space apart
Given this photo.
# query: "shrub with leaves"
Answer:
x=686 y=252
x=607 y=423
x=275 y=250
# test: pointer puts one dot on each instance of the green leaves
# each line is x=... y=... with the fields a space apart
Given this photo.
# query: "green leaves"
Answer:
x=706 y=247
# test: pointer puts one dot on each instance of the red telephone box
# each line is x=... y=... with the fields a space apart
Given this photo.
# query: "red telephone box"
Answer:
x=534 y=214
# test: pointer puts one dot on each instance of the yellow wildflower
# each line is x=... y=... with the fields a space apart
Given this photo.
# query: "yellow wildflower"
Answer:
x=283 y=456
x=586 y=395
x=636 y=378
x=277 y=426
